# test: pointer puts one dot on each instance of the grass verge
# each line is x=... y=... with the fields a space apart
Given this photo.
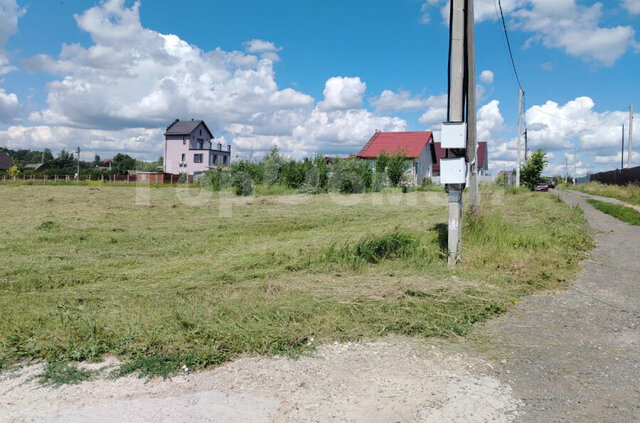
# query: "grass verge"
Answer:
x=628 y=193
x=174 y=283
x=624 y=213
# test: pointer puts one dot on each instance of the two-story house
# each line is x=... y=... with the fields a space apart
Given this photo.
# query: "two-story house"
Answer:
x=189 y=148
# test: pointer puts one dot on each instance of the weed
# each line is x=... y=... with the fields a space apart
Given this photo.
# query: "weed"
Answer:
x=57 y=373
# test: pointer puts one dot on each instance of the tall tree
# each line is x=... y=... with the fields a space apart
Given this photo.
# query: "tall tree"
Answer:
x=531 y=173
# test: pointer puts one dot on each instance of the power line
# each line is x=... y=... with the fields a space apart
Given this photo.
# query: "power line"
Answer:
x=506 y=35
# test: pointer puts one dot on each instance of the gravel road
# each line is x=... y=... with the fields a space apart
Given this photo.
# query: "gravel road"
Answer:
x=572 y=356
x=575 y=356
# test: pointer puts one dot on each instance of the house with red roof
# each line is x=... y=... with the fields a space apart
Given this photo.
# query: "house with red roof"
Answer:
x=417 y=146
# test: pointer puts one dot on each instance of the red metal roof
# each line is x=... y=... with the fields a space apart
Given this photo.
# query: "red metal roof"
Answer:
x=441 y=152
x=411 y=143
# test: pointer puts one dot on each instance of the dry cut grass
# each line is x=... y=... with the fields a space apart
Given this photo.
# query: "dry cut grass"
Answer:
x=86 y=272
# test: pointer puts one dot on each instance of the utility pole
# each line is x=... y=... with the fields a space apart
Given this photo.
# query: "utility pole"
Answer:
x=622 y=152
x=566 y=169
x=526 y=144
x=520 y=93
x=78 y=172
x=472 y=136
x=575 y=163
x=456 y=114
x=630 y=153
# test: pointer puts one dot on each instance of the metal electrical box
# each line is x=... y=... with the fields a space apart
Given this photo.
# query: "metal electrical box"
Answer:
x=453 y=171
x=454 y=135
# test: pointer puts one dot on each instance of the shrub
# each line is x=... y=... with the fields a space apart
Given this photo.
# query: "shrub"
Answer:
x=350 y=176
x=531 y=173
x=382 y=161
x=396 y=167
x=241 y=183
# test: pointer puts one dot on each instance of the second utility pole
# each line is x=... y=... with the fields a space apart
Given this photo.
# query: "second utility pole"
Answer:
x=630 y=153
x=520 y=93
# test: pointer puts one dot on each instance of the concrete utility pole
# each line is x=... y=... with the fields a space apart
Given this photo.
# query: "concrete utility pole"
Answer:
x=472 y=137
x=630 y=153
x=566 y=169
x=456 y=114
x=575 y=163
x=520 y=93
x=622 y=152
x=78 y=165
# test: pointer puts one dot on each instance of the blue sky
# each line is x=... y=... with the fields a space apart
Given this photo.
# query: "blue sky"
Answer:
x=311 y=77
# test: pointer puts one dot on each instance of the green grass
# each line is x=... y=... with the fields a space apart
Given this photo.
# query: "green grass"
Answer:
x=629 y=193
x=57 y=373
x=624 y=213
x=86 y=272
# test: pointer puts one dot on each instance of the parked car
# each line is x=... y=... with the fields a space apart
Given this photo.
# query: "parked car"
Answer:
x=542 y=186
x=551 y=183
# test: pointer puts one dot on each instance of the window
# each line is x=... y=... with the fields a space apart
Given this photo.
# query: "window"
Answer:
x=214 y=159
x=201 y=132
x=197 y=158
x=200 y=144
x=183 y=158
x=224 y=159
x=184 y=140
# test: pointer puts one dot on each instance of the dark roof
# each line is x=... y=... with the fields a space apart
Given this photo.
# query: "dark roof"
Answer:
x=411 y=143
x=482 y=154
x=37 y=166
x=185 y=127
x=5 y=160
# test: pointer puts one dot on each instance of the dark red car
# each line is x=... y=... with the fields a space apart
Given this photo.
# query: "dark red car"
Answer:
x=542 y=186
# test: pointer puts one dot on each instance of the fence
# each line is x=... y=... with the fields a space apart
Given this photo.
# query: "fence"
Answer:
x=167 y=179
x=617 y=176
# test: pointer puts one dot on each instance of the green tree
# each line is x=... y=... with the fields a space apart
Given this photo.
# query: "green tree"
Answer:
x=122 y=162
x=382 y=161
x=273 y=163
x=96 y=160
x=396 y=167
x=531 y=173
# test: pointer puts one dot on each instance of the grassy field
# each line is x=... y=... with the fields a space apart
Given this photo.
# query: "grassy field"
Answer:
x=629 y=193
x=86 y=272
x=624 y=213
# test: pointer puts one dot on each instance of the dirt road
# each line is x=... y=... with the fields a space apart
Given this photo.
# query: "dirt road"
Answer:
x=571 y=356
x=575 y=355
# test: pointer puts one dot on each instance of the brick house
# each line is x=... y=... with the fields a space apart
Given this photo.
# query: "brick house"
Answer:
x=189 y=148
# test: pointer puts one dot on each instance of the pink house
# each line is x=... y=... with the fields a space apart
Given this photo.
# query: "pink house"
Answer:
x=189 y=148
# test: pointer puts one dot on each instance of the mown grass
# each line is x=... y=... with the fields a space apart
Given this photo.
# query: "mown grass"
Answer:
x=86 y=272
x=624 y=213
x=629 y=193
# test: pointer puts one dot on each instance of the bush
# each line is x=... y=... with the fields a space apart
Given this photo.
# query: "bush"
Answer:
x=350 y=176
x=396 y=168
x=213 y=181
x=241 y=183
x=531 y=173
x=382 y=161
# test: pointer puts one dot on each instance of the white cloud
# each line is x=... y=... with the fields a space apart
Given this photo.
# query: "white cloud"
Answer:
x=342 y=93
x=9 y=14
x=632 y=6
x=565 y=25
x=436 y=112
x=259 y=46
x=9 y=106
x=489 y=121
x=115 y=95
x=402 y=100
x=486 y=77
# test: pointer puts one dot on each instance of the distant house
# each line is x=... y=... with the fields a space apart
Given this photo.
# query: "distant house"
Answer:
x=189 y=148
x=482 y=158
x=37 y=167
x=416 y=146
x=5 y=160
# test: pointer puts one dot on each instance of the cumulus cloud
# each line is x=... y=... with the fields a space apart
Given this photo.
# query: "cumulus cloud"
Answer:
x=436 y=112
x=113 y=89
x=632 y=6
x=563 y=24
x=341 y=93
x=486 y=77
x=489 y=121
x=259 y=46
x=398 y=101
x=9 y=106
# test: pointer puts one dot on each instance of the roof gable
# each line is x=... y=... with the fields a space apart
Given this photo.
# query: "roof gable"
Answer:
x=186 y=127
x=410 y=143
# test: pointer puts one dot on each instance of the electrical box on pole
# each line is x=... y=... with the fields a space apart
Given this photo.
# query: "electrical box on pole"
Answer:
x=454 y=135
